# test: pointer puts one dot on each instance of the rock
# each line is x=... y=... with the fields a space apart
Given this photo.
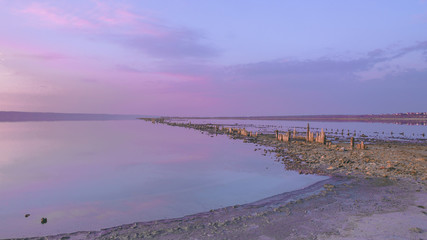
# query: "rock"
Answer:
x=27 y=215
x=330 y=168
x=43 y=220
x=416 y=230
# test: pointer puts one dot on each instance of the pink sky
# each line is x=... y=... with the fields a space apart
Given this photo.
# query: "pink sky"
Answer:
x=214 y=58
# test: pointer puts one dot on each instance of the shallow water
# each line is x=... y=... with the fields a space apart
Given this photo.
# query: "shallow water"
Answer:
x=389 y=131
x=98 y=174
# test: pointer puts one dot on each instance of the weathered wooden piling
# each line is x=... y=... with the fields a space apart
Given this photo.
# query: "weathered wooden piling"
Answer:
x=284 y=137
x=277 y=134
x=322 y=137
x=311 y=137
x=287 y=136
x=352 y=142
x=244 y=132
x=361 y=146
x=294 y=135
x=307 y=138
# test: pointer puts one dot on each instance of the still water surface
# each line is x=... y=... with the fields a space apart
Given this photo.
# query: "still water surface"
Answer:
x=389 y=131
x=98 y=174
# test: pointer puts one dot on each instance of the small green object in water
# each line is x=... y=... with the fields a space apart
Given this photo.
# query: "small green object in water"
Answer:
x=44 y=220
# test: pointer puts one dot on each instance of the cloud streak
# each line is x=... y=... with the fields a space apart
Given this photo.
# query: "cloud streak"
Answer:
x=174 y=44
x=134 y=60
x=55 y=16
x=131 y=30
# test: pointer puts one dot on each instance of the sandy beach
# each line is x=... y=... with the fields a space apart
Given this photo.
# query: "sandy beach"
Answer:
x=375 y=193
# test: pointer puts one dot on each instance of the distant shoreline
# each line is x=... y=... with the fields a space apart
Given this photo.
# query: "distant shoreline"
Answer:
x=47 y=116
x=399 y=118
x=386 y=118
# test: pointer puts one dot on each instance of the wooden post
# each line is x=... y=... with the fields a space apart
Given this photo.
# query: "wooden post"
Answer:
x=311 y=137
x=322 y=137
x=307 y=138
x=352 y=142
x=295 y=134
x=277 y=134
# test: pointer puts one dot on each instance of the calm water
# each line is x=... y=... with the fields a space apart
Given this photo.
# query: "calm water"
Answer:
x=98 y=174
x=375 y=130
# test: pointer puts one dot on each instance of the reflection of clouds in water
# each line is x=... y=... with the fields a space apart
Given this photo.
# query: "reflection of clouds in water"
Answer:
x=90 y=175
x=369 y=129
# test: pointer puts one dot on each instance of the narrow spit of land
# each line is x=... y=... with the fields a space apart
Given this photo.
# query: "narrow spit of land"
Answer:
x=375 y=193
x=382 y=158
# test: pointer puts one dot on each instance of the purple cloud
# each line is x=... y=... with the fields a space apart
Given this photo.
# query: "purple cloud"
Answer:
x=376 y=53
x=171 y=43
x=47 y=56
x=132 y=30
x=124 y=68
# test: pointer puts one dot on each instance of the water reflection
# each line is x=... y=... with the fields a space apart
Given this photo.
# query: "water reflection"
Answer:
x=374 y=130
x=92 y=175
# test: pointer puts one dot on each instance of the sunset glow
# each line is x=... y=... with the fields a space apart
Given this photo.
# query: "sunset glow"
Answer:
x=213 y=58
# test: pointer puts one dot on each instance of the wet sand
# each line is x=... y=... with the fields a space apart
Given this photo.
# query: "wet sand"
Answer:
x=377 y=193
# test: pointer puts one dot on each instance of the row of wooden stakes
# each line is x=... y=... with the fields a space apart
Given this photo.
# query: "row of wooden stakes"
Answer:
x=241 y=131
x=319 y=138
x=286 y=137
x=361 y=145
x=310 y=137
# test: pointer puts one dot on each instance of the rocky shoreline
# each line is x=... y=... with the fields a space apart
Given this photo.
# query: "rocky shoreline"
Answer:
x=375 y=193
x=381 y=158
